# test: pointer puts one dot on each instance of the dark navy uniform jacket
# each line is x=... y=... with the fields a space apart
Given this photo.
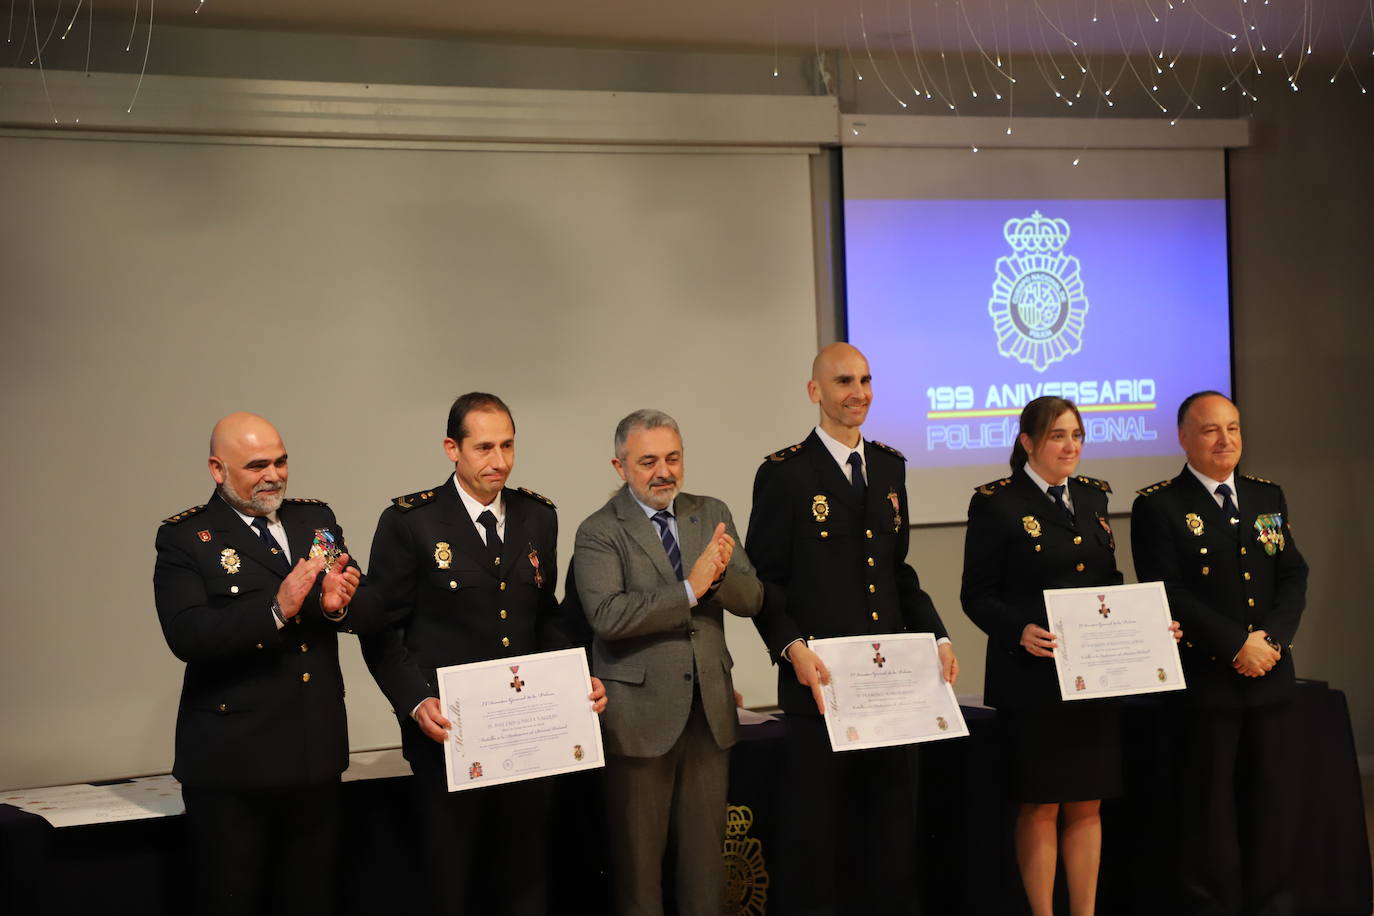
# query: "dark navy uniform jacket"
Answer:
x=1018 y=543
x=1223 y=581
x=830 y=566
x=260 y=706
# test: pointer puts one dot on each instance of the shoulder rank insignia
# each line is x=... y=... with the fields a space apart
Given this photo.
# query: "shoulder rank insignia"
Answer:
x=1155 y=486
x=412 y=500
x=786 y=453
x=1259 y=479
x=300 y=501
x=183 y=515
x=887 y=448
x=992 y=487
x=539 y=496
x=1094 y=482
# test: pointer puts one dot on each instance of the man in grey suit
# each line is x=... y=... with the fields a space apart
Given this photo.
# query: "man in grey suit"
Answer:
x=659 y=647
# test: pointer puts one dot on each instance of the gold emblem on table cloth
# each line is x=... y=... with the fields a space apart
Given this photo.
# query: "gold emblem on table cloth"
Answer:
x=820 y=507
x=229 y=559
x=443 y=554
x=746 y=868
x=1031 y=524
x=1194 y=523
x=896 y=509
x=1270 y=532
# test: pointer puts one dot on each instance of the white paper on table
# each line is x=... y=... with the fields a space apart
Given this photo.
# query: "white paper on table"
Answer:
x=1113 y=641
x=73 y=806
x=519 y=718
x=887 y=690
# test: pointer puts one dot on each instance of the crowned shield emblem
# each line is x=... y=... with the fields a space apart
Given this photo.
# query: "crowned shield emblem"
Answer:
x=1037 y=305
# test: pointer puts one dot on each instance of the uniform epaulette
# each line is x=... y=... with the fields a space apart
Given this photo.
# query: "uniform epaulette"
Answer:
x=413 y=500
x=302 y=501
x=1094 y=482
x=1146 y=491
x=887 y=448
x=1259 y=479
x=786 y=453
x=183 y=515
x=992 y=487
x=539 y=496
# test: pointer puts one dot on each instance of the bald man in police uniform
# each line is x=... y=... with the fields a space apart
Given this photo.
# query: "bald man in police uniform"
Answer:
x=828 y=535
x=1221 y=544
x=251 y=590
x=467 y=572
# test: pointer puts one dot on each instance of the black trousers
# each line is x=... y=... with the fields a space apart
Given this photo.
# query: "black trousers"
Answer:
x=482 y=850
x=258 y=851
x=846 y=827
x=1232 y=812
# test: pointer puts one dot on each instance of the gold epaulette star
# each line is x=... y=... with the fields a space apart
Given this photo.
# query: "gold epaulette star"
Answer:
x=413 y=500
x=1155 y=486
x=302 y=501
x=183 y=515
x=539 y=496
x=1094 y=482
x=993 y=486
x=1259 y=479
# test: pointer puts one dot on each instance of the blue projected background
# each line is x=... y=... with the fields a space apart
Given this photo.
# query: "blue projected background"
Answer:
x=1137 y=322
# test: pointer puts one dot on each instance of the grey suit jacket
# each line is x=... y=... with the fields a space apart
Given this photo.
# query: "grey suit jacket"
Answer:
x=647 y=640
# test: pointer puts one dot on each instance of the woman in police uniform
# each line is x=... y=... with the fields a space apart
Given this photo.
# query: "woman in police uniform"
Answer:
x=1043 y=527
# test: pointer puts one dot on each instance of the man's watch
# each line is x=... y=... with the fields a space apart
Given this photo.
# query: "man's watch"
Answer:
x=276 y=612
x=1273 y=643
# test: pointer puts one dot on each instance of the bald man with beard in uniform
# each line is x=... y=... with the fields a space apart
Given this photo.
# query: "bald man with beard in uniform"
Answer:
x=251 y=590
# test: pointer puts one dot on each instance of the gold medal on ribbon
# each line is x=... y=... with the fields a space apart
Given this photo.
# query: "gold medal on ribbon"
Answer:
x=1031 y=524
x=229 y=559
x=820 y=507
x=443 y=555
x=1194 y=523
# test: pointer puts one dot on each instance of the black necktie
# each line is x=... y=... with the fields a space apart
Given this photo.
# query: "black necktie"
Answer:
x=1057 y=494
x=1227 y=505
x=260 y=523
x=488 y=521
x=665 y=534
x=856 y=476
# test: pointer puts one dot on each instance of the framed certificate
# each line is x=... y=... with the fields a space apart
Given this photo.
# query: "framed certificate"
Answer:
x=519 y=718
x=887 y=690
x=1113 y=641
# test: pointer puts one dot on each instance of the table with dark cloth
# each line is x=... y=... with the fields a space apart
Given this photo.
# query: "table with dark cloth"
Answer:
x=967 y=863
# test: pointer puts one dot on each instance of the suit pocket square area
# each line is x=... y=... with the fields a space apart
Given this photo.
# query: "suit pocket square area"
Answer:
x=624 y=674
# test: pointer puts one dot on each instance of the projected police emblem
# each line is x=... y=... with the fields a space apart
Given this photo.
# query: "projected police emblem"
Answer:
x=1037 y=304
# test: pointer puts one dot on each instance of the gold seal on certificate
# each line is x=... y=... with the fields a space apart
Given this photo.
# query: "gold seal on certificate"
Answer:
x=1113 y=641
x=519 y=718
x=887 y=690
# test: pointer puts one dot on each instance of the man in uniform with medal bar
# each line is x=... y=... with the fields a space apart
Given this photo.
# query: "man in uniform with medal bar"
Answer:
x=251 y=590
x=1220 y=543
x=466 y=572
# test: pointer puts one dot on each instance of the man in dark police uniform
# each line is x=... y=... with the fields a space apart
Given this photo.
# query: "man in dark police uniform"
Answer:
x=1221 y=544
x=467 y=572
x=251 y=589
x=828 y=535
